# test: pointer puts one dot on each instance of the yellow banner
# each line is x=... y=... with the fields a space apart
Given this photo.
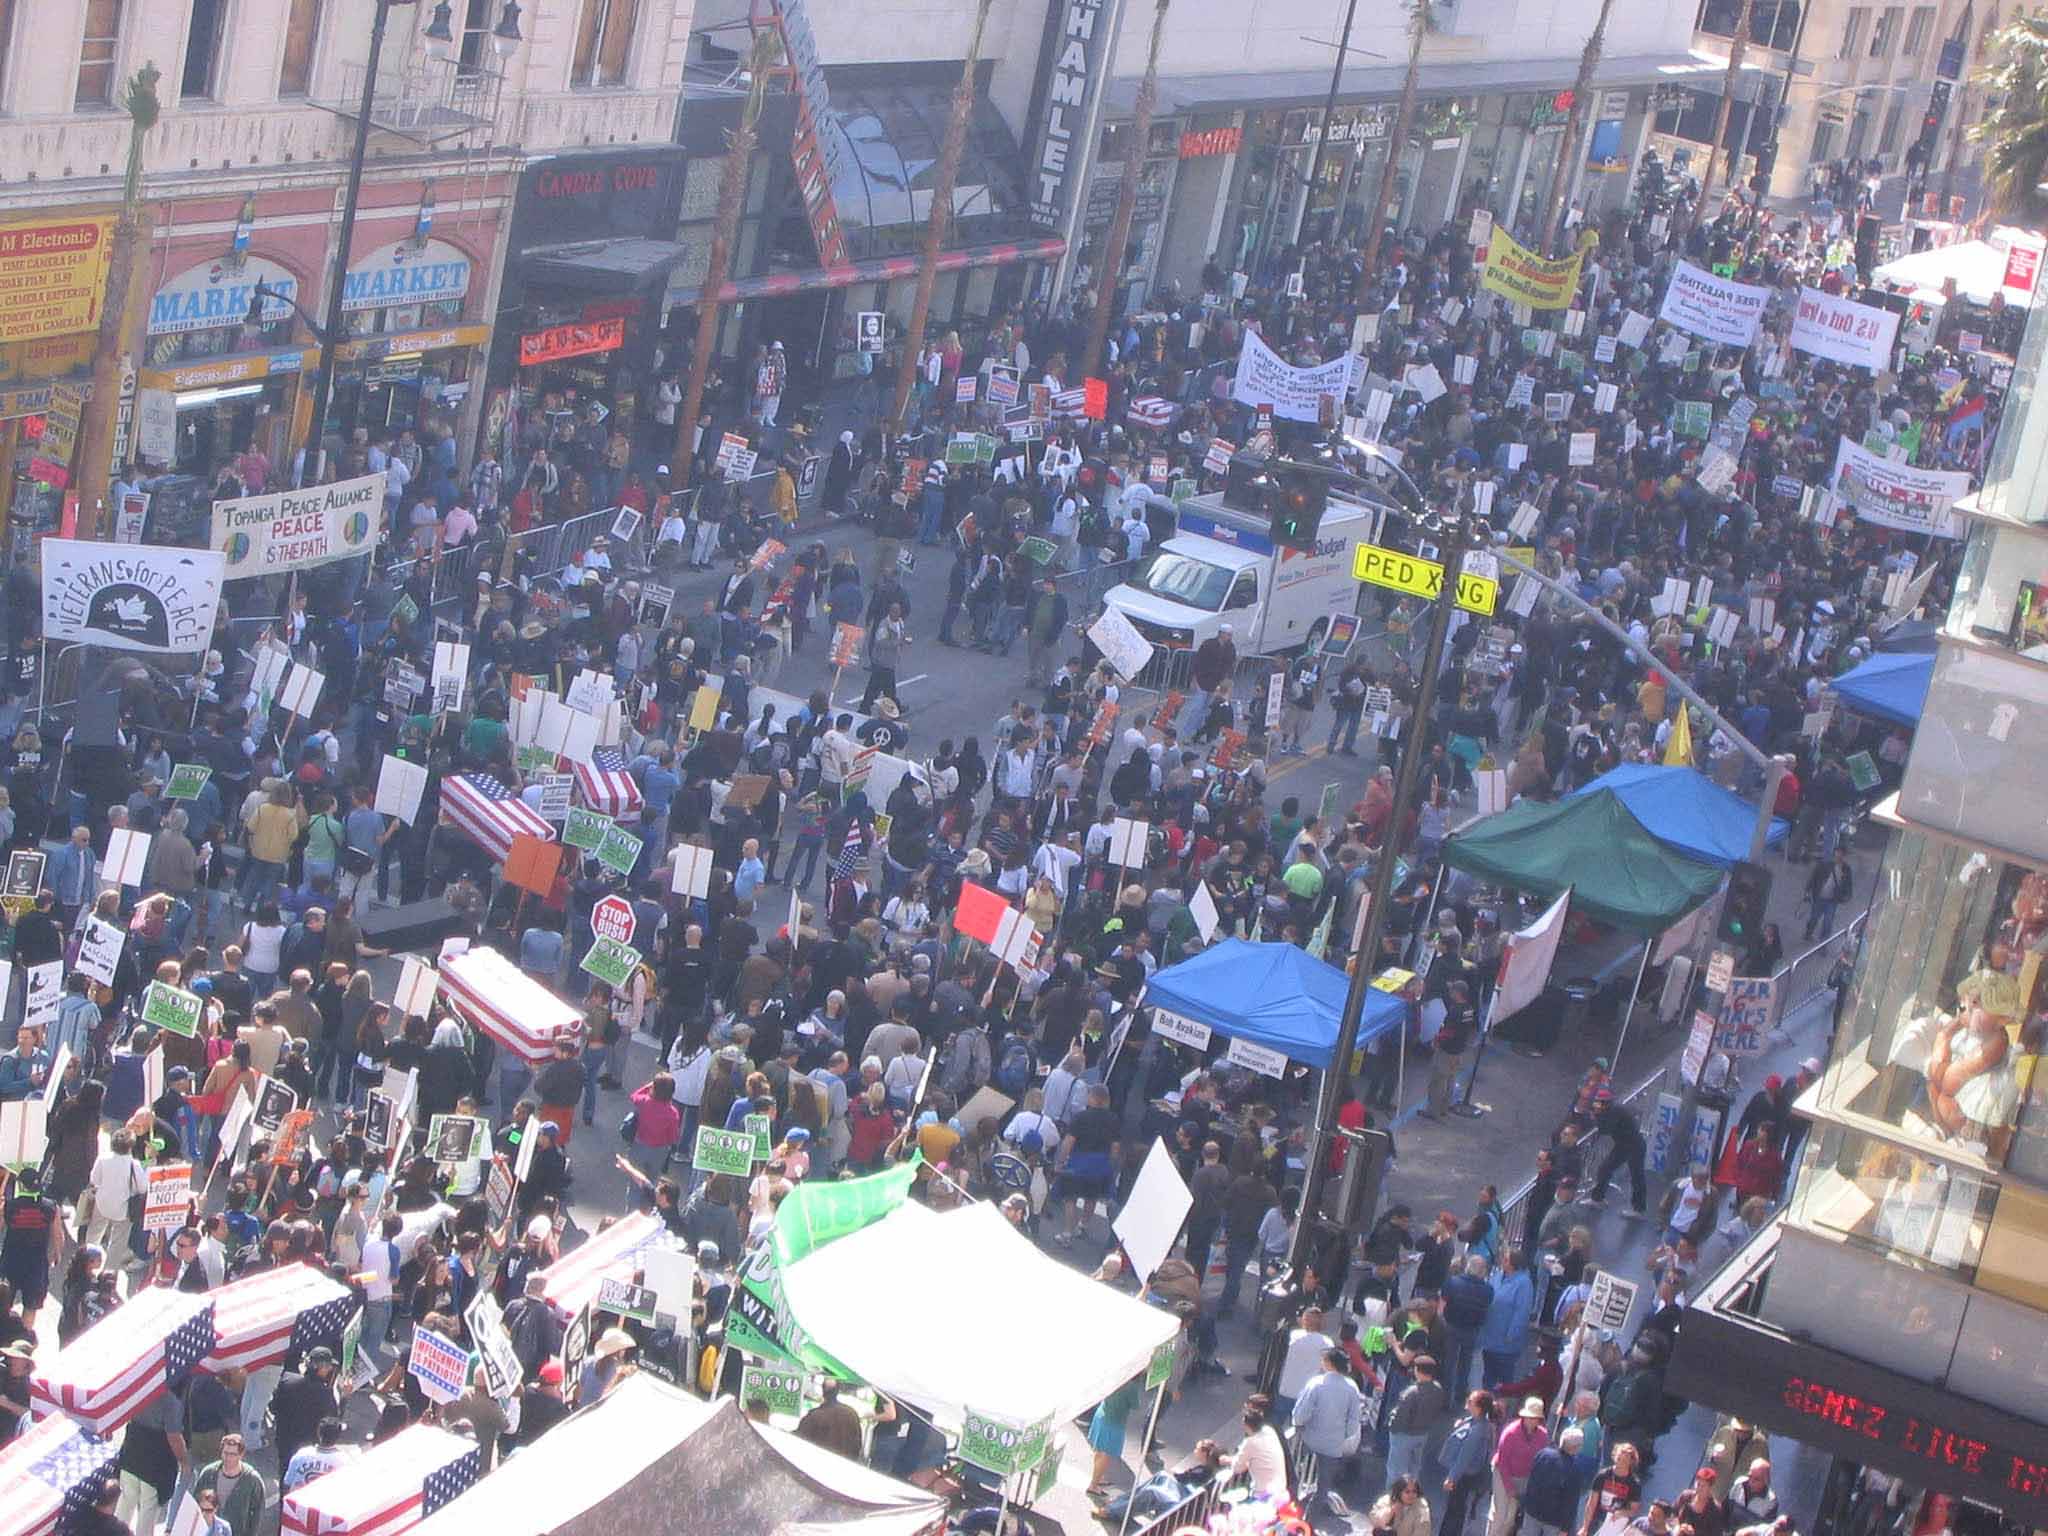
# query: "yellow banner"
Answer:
x=53 y=274
x=1515 y=272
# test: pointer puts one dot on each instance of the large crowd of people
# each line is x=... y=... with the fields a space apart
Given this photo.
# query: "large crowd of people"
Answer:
x=1439 y=1373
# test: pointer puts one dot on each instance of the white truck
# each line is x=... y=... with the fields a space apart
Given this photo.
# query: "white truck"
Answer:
x=1222 y=567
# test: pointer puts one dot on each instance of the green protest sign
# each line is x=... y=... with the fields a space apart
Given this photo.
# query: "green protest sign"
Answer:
x=757 y=1127
x=776 y=1388
x=172 y=1008
x=962 y=449
x=1159 y=1367
x=1862 y=771
x=351 y=1341
x=187 y=779
x=723 y=1152
x=535 y=760
x=1182 y=490
x=405 y=608
x=984 y=448
x=611 y=962
x=585 y=829
x=997 y=1445
x=1695 y=418
x=619 y=850
x=1326 y=808
x=1038 y=550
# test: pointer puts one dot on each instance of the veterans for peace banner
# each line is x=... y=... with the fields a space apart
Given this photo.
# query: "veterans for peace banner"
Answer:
x=1266 y=378
x=1894 y=495
x=290 y=530
x=1713 y=308
x=1515 y=272
x=130 y=597
x=1843 y=331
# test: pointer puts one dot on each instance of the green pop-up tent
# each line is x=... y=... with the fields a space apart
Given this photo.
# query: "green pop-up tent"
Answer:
x=1617 y=872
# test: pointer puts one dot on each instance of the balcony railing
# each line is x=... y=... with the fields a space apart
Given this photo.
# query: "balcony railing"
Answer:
x=425 y=100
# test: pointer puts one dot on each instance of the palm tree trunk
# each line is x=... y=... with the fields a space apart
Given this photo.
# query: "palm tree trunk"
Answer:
x=1737 y=47
x=1404 y=119
x=941 y=216
x=732 y=191
x=1092 y=358
x=1574 y=126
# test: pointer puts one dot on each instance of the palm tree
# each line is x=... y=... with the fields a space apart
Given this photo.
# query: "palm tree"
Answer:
x=732 y=191
x=1738 y=45
x=1570 y=151
x=2015 y=130
x=943 y=182
x=1092 y=355
x=1418 y=25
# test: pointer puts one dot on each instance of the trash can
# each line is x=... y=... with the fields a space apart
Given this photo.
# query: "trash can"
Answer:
x=1579 y=993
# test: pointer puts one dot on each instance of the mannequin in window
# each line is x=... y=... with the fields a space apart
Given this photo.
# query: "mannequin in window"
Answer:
x=1972 y=1089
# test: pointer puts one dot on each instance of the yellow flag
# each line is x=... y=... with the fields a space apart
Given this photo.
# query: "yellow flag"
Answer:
x=1515 y=272
x=1678 y=745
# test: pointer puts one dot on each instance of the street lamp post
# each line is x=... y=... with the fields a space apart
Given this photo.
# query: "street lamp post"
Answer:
x=441 y=39
x=1456 y=530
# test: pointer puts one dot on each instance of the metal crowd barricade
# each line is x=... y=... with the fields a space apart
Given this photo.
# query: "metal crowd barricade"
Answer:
x=1193 y=1510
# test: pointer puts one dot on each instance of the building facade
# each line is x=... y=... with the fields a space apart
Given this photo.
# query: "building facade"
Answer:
x=1896 y=1314
x=243 y=184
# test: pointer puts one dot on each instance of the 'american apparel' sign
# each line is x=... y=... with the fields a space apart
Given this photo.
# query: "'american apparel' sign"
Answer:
x=1895 y=495
x=1265 y=378
x=130 y=597
x=1844 y=331
x=1713 y=308
x=290 y=530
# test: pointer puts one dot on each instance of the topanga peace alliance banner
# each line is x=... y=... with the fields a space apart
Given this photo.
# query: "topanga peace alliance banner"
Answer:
x=290 y=530
x=130 y=597
x=1713 y=308
x=1895 y=495
x=1266 y=378
x=1844 y=331
x=1516 y=272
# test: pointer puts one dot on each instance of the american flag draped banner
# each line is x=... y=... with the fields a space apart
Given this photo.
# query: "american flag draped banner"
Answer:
x=52 y=1471
x=106 y=1375
x=605 y=784
x=505 y=1003
x=1070 y=402
x=852 y=853
x=390 y=1488
x=490 y=813
x=572 y=1279
x=1150 y=411
x=262 y=1319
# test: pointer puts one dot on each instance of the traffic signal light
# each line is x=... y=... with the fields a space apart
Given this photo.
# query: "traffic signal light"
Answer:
x=1930 y=120
x=1766 y=159
x=1296 y=502
x=1742 y=909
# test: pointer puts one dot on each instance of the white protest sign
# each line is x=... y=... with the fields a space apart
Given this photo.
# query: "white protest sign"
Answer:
x=1168 y=1025
x=1582 y=448
x=1202 y=908
x=127 y=857
x=1715 y=309
x=1464 y=368
x=1150 y=1221
x=1127 y=839
x=1843 y=331
x=1249 y=1053
x=400 y=785
x=1634 y=328
x=451 y=673
x=99 y=950
x=692 y=875
x=1894 y=495
x=417 y=984
x=45 y=992
x=301 y=690
x=1264 y=378
x=1119 y=641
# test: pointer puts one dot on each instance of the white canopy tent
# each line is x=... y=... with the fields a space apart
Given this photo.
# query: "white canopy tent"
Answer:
x=1977 y=267
x=960 y=1310
x=650 y=1458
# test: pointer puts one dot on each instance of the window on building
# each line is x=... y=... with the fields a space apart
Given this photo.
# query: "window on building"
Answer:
x=1823 y=143
x=301 y=32
x=476 y=36
x=7 y=10
x=1918 y=31
x=1772 y=23
x=1886 y=32
x=1888 y=136
x=202 y=49
x=97 y=54
x=603 y=38
x=1852 y=30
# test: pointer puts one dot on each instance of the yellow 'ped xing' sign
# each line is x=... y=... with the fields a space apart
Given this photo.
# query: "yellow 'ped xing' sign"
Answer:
x=1421 y=578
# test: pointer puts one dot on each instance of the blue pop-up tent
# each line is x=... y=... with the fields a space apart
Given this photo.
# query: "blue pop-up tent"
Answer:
x=1888 y=687
x=1275 y=995
x=1685 y=811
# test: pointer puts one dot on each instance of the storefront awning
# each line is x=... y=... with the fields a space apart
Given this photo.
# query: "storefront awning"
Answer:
x=1278 y=89
x=622 y=266
x=880 y=269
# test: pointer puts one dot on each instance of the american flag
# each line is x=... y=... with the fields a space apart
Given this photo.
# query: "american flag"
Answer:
x=1150 y=411
x=262 y=1319
x=1070 y=402
x=390 y=1488
x=606 y=784
x=852 y=853
x=505 y=1003
x=52 y=1471
x=106 y=1375
x=490 y=813
x=572 y=1279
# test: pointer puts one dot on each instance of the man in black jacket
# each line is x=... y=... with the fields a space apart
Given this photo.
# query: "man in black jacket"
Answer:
x=303 y=1398
x=1625 y=1149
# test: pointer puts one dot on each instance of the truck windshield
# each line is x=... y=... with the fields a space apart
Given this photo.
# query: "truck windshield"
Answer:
x=1183 y=579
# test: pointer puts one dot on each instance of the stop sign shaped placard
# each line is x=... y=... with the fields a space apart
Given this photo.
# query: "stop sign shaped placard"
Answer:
x=612 y=918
